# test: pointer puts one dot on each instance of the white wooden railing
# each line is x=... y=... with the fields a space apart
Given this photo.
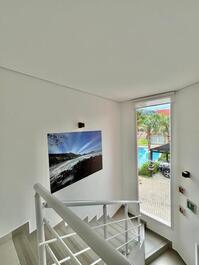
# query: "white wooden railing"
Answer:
x=99 y=245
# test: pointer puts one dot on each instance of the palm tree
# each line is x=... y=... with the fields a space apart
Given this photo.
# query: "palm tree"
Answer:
x=140 y=118
x=149 y=123
x=165 y=126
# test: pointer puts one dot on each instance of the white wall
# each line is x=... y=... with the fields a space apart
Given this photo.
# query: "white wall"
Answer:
x=30 y=109
x=187 y=230
x=129 y=159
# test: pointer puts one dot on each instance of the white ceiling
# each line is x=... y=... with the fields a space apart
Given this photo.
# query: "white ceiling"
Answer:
x=118 y=49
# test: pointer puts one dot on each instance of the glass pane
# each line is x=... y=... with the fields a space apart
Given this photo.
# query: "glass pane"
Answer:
x=154 y=160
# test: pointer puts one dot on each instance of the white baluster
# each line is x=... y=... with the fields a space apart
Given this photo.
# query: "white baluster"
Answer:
x=126 y=228
x=40 y=230
x=105 y=220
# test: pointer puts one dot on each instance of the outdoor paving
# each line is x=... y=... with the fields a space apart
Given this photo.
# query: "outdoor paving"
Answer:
x=155 y=196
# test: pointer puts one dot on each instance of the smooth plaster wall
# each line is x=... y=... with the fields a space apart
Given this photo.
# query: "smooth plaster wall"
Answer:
x=187 y=230
x=31 y=108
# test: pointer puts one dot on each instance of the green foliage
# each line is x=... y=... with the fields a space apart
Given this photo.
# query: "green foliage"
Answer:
x=163 y=157
x=164 y=126
x=142 y=142
x=148 y=122
x=152 y=123
x=144 y=170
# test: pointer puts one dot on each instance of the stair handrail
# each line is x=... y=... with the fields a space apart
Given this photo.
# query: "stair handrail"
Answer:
x=102 y=248
x=77 y=203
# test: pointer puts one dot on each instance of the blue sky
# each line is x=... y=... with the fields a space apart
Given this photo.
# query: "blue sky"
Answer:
x=156 y=107
x=75 y=142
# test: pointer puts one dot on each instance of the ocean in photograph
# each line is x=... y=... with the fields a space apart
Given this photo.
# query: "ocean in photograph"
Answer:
x=73 y=156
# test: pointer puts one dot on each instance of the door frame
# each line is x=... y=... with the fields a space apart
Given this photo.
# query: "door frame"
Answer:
x=154 y=224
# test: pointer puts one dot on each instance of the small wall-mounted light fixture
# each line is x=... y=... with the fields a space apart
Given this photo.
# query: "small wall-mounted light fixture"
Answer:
x=186 y=174
x=81 y=125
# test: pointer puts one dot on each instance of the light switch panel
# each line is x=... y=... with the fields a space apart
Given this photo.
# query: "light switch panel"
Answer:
x=192 y=206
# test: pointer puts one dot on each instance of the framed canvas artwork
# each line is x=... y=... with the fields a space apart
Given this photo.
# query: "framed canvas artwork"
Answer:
x=73 y=156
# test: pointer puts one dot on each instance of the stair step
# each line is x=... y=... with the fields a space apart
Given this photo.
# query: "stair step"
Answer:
x=169 y=257
x=26 y=244
x=93 y=221
x=155 y=245
x=114 y=229
x=56 y=246
x=77 y=244
x=8 y=254
x=24 y=250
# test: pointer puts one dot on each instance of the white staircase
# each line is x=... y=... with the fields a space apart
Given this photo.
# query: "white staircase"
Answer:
x=101 y=241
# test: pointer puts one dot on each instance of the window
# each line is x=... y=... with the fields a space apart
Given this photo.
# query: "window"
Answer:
x=154 y=158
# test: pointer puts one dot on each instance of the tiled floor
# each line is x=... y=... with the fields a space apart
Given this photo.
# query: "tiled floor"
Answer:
x=155 y=196
x=168 y=258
